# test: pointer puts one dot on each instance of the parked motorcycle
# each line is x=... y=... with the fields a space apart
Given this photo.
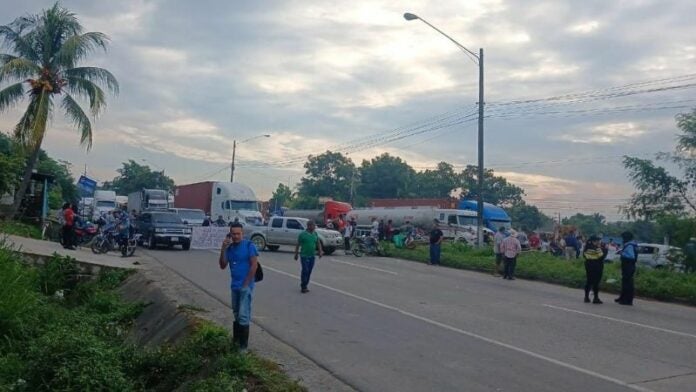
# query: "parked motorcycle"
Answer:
x=128 y=248
x=104 y=242
x=366 y=245
x=83 y=234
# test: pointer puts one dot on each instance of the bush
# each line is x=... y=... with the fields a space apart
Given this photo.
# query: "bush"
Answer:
x=18 y=296
x=20 y=229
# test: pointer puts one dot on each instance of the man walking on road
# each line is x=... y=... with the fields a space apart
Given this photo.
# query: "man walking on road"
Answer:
x=242 y=257
x=435 y=241
x=307 y=245
x=510 y=248
x=347 y=234
x=497 y=242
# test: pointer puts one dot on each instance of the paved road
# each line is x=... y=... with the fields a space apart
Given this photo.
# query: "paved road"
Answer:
x=383 y=324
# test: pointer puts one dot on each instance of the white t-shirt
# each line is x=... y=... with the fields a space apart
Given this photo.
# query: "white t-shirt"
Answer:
x=375 y=228
x=348 y=231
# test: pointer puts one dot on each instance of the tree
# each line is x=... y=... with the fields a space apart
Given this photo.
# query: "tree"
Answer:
x=496 y=189
x=528 y=217
x=11 y=162
x=327 y=175
x=594 y=224
x=385 y=177
x=438 y=183
x=659 y=193
x=281 y=197
x=42 y=66
x=133 y=177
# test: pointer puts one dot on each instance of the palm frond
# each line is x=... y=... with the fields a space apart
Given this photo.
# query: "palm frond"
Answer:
x=86 y=89
x=32 y=126
x=18 y=69
x=19 y=44
x=22 y=128
x=78 y=117
x=95 y=75
x=11 y=95
x=77 y=47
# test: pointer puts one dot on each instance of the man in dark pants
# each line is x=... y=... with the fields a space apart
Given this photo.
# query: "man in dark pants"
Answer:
x=242 y=257
x=308 y=242
x=595 y=253
x=435 y=241
x=629 y=257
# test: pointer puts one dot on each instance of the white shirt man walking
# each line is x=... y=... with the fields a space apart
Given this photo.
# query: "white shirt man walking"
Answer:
x=510 y=248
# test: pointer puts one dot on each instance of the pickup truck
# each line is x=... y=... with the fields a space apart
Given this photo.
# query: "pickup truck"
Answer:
x=163 y=227
x=282 y=230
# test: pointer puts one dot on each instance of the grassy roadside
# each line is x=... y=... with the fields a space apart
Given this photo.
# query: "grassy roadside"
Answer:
x=657 y=284
x=20 y=229
x=58 y=333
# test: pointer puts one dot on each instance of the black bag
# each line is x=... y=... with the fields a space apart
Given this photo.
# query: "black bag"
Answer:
x=258 y=276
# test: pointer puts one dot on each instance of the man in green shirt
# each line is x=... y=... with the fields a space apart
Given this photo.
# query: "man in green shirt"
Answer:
x=307 y=245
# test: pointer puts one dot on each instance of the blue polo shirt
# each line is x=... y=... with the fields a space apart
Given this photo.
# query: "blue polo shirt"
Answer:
x=629 y=251
x=239 y=258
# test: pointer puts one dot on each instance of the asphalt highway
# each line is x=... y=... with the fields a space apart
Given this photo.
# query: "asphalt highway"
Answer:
x=384 y=324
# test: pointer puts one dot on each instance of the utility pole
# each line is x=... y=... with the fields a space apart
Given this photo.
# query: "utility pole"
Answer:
x=234 y=150
x=479 y=202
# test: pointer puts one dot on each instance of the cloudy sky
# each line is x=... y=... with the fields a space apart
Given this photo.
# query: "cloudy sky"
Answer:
x=354 y=76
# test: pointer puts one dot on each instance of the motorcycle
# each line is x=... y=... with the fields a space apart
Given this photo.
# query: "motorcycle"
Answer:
x=367 y=246
x=128 y=246
x=104 y=242
x=84 y=234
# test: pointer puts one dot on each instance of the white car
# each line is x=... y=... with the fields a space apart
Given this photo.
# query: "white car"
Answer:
x=658 y=255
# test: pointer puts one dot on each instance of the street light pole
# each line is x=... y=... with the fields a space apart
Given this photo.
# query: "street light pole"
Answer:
x=234 y=152
x=479 y=63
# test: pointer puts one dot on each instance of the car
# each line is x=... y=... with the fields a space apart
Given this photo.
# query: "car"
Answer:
x=282 y=230
x=658 y=255
x=190 y=216
x=163 y=228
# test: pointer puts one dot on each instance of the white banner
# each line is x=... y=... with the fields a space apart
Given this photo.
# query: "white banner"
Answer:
x=208 y=237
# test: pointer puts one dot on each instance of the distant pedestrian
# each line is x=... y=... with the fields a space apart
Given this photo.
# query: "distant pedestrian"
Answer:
x=690 y=255
x=580 y=247
x=436 y=236
x=594 y=253
x=220 y=221
x=390 y=230
x=207 y=221
x=629 y=257
x=571 y=246
x=68 y=227
x=242 y=257
x=307 y=246
x=382 y=230
x=374 y=229
x=347 y=234
x=497 y=251
x=510 y=248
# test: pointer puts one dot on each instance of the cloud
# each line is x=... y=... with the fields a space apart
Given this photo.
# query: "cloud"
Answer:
x=584 y=28
x=606 y=134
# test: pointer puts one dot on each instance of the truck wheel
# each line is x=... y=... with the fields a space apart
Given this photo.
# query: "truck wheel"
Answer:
x=259 y=242
x=186 y=246
x=357 y=250
x=151 y=242
x=273 y=248
x=328 y=251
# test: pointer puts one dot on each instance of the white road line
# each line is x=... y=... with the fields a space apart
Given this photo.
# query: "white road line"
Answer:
x=622 y=321
x=334 y=260
x=475 y=336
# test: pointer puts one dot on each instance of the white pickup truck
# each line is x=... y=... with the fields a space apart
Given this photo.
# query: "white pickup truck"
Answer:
x=283 y=230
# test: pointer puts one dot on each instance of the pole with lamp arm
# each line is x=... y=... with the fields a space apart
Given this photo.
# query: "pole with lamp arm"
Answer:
x=234 y=152
x=479 y=62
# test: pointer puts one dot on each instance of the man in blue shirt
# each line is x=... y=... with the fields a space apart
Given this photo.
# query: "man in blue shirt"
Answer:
x=242 y=257
x=629 y=257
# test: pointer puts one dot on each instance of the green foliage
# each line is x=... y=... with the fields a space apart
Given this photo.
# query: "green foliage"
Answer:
x=328 y=175
x=658 y=284
x=63 y=179
x=587 y=224
x=18 y=296
x=20 y=229
x=385 y=176
x=438 y=183
x=11 y=164
x=133 y=177
x=496 y=189
x=57 y=274
x=528 y=217
x=282 y=197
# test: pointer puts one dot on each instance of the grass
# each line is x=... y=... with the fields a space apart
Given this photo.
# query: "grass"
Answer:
x=20 y=229
x=662 y=285
x=58 y=333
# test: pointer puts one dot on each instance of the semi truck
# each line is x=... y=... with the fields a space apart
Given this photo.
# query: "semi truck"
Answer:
x=148 y=199
x=493 y=216
x=103 y=202
x=331 y=211
x=231 y=200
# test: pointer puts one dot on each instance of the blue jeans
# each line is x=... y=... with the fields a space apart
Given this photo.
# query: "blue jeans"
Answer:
x=241 y=305
x=307 y=267
x=435 y=254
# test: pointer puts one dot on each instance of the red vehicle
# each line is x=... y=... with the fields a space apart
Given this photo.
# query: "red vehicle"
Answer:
x=331 y=211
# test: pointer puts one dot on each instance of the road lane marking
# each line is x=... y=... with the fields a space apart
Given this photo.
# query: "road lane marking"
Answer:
x=334 y=260
x=622 y=321
x=474 y=335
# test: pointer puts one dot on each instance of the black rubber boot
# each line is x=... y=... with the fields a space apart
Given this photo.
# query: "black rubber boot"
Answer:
x=236 y=334
x=243 y=338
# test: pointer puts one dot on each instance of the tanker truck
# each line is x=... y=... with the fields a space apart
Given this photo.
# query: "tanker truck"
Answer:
x=331 y=211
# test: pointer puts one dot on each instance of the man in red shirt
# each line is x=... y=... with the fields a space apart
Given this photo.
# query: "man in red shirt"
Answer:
x=68 y=227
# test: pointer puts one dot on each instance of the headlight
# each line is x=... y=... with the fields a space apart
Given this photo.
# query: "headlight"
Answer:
x=188 y=231
x=159 y=230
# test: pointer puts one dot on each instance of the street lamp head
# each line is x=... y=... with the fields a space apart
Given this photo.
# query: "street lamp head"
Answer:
x=266 y=135
x=410 y=16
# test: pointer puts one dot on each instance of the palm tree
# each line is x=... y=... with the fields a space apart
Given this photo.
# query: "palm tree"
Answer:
x=45 y=50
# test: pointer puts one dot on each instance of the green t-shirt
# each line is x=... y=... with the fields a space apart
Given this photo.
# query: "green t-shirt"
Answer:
x=308 y=243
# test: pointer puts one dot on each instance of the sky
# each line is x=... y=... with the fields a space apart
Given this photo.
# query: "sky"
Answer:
x=356 y=77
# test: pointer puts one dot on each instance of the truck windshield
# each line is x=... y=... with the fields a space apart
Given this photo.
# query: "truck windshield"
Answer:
x=106 y=203
x=239 y=205
x=505 y=223
x=156 y=194
x=467 y=220
x=166 y=218
x=191 y=214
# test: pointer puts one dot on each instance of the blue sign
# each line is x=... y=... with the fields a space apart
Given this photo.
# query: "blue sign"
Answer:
x=87 y=186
